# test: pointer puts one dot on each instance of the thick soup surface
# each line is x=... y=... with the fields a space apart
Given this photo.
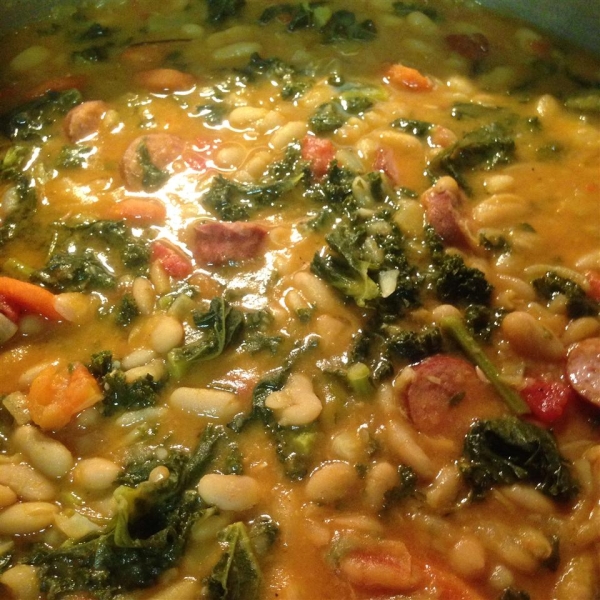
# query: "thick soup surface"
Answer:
x=300 y=302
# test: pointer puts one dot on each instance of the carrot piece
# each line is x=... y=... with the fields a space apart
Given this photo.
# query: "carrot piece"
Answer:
x=411 y=79
x=29 y=297
x=59 y=393
x=57 y=84
x=448 y=585
x=140 y=209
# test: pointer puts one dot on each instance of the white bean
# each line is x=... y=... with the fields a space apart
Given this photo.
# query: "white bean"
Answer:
x=187 y=588
x=403 y=443
x=530 y=338
x=27 y=517
x=235 y=52
x=331 y=482
x=286 y=134
x=26 y=482
x=30 y=58
x=137 y=358
x=467 y=557
x=229 y=492
x=7 y=496
x=167 y=333
x=206 y=402
x=22 y=581
x=16 y=405
x=47 y=455
x=155 y=368
x=75 y=307
x=317 y=292
x=7 y=328
x=296 y=403
x=580 y=329
x=143 y=295
x=95 y=474
x=500 y=210
x=380 y=480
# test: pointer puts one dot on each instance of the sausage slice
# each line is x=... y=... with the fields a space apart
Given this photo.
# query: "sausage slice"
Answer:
x=218 y=243
x=583 y=369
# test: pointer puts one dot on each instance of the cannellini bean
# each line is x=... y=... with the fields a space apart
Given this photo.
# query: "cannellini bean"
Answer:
x=317 y=292
x=47 y=455
x=95 y=474
x=403 y=443
x=26 y=482
x=22 y=581
x=589 y=261
x=155 y=368
x=167 y=333
x=137 y=358
x=286 y=134
x=334 y=332
x=7 y=496
x=530 y=338
x=577 y=580
x=246 y=116
x=27 y=517
x=232 y=34
x=467 y=557
x=296 y=403
x=206 y=402
x=331 y=482
x=30 y=58
x=580 y=329
x=380 y=479
x=159 y=278
x=444 y=488
x=528 y=498
x=7 y=328
x=495 y=184
x=500 y=210
x=229 y=492
x=75 y=307
x=236 y=52
x=16 y=405
x=144 y=295
x=348 y=445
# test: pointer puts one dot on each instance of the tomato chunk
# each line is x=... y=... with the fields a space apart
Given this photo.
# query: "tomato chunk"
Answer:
x=547 y=400
x=319 y=152
x=173 y=262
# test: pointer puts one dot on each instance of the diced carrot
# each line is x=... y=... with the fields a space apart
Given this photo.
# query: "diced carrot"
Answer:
x=411 y=79
x=173 y=262
x=144 y=56
x=58 y=393
x=142 y=210
x=57 y=84
x=593 y=278
x=319 y=152
x=29 y=297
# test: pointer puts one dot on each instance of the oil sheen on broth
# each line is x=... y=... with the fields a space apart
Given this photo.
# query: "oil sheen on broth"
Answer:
x=298 y=301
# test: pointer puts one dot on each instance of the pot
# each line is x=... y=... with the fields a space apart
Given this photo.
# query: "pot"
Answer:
x=573 y=20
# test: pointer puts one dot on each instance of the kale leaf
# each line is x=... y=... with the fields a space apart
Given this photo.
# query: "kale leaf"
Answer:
x=508 y=450
x=236 y=576
x=89 y=255
x=235 y=201
x=147 y=536
x=579 y=304
x=216 y=329
x=34 y=119
x=19 y=213
x=343 y=26
x=221 y=10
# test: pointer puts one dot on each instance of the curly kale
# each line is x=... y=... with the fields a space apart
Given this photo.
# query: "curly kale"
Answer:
x=579 y=304
x=216 y=329
x=89 y=255
x=147 y=536
x=34 y=119
x=235 y=201
x=508 y=450
x=221 y=10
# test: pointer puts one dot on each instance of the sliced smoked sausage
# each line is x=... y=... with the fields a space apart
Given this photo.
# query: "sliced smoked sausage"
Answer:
x=218 y=243
x=583 y=369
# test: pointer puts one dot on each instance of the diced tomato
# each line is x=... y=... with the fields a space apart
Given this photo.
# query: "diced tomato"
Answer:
x=541 y=48
x=139 y=210
x=593 y=278
x=385 y=161
x=473 y=46
x=319 y=152
x=173 y=262
x=9 y=310
x=548 y=400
